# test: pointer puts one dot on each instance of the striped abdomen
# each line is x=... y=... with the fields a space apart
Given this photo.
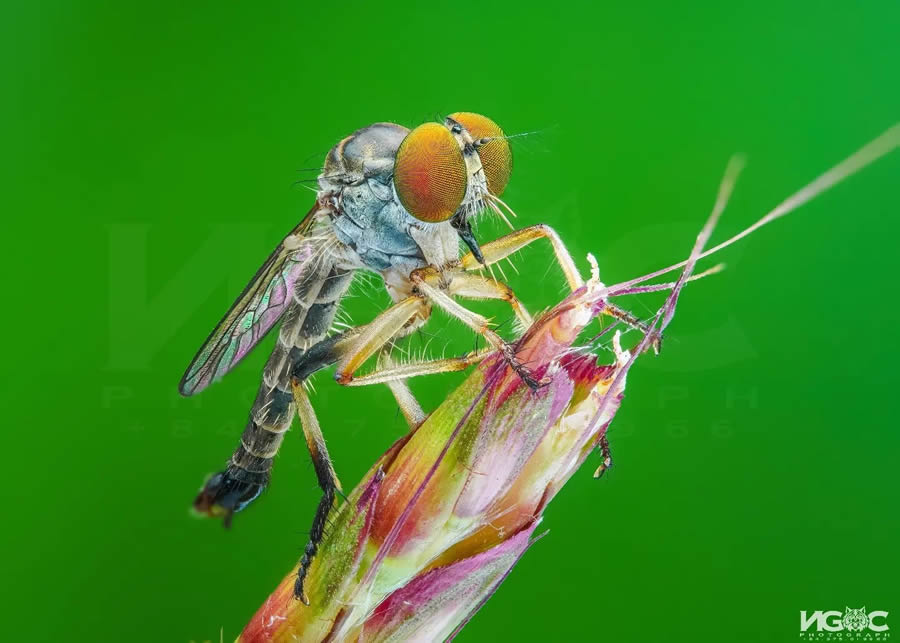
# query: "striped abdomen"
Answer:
x=305 y=324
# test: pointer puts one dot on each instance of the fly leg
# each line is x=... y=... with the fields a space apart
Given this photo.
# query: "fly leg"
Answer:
x=399 y=373
x=461 y=284
x=354 y=347
x=472 y=286
x=350 y=349
x=406 y=401
x=305 y=364
x=633 y=322
x=396 y=321
x=328 y=481
x=515 y=241
x=435 y=285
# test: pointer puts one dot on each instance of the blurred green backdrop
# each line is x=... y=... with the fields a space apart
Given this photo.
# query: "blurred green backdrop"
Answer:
x=151 y=155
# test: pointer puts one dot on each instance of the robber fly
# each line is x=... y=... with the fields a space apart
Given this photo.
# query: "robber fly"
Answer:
x=390 y=201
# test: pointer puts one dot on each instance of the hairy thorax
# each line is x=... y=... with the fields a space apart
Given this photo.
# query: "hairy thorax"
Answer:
x=374 y=231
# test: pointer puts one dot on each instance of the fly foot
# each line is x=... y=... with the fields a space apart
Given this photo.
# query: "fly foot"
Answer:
x=521 y=370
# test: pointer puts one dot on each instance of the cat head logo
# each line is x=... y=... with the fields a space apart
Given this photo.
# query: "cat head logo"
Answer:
x=855 y=620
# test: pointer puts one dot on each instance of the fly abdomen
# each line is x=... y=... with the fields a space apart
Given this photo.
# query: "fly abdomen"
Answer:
x=270 y=419
x=247 y=473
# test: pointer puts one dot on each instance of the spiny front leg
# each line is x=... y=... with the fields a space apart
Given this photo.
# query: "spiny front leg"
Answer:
x=434 y=285
x=472 y=286
x=328 y=482
x=391 y=374
x=394 y=322
x=515 y=241
x=352 y=350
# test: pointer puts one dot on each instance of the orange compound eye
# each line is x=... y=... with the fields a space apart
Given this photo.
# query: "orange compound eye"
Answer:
x=495 y=155
x=430 y=173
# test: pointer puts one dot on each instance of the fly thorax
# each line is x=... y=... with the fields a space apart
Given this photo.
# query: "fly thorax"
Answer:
x=368 y=220
x=366 y=215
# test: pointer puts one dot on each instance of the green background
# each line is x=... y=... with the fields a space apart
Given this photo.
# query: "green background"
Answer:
x=150 y=153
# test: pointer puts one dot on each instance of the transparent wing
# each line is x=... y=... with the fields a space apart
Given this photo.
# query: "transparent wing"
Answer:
x=256 y=310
